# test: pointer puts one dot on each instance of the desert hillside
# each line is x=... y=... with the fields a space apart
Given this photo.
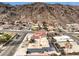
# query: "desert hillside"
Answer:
x=51 y=13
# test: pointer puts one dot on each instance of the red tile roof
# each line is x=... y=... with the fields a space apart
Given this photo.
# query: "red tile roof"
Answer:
x=39 y=34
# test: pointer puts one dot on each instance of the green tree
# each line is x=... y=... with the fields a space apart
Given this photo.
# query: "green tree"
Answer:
x=45 y=26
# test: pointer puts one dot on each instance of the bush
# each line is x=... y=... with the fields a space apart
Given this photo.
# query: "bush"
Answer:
x=7 y=36
x=32 y=41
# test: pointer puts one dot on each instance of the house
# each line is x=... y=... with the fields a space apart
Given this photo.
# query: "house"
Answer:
x=67 y=44
x=39 y=46
x=72 y=27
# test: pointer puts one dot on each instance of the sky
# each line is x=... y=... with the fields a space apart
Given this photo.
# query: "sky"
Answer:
x=65 y=3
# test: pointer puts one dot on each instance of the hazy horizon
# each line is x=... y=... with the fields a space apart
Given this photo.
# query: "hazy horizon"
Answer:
x=64 y=3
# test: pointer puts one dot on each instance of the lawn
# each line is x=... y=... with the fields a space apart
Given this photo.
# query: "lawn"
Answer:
x=4 y=37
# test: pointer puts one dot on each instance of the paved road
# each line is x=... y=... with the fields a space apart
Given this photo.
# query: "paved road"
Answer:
x=12 y=46
x=8 y=30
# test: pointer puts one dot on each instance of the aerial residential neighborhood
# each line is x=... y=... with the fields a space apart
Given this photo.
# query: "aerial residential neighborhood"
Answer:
x=39 y=29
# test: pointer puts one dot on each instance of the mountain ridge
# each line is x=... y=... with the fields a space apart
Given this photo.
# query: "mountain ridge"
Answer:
x=50 y=13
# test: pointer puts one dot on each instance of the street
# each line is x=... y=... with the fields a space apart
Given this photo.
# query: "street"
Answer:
x=13 y=45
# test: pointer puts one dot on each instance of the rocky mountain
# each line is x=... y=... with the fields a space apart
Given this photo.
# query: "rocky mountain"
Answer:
x=51 y=13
